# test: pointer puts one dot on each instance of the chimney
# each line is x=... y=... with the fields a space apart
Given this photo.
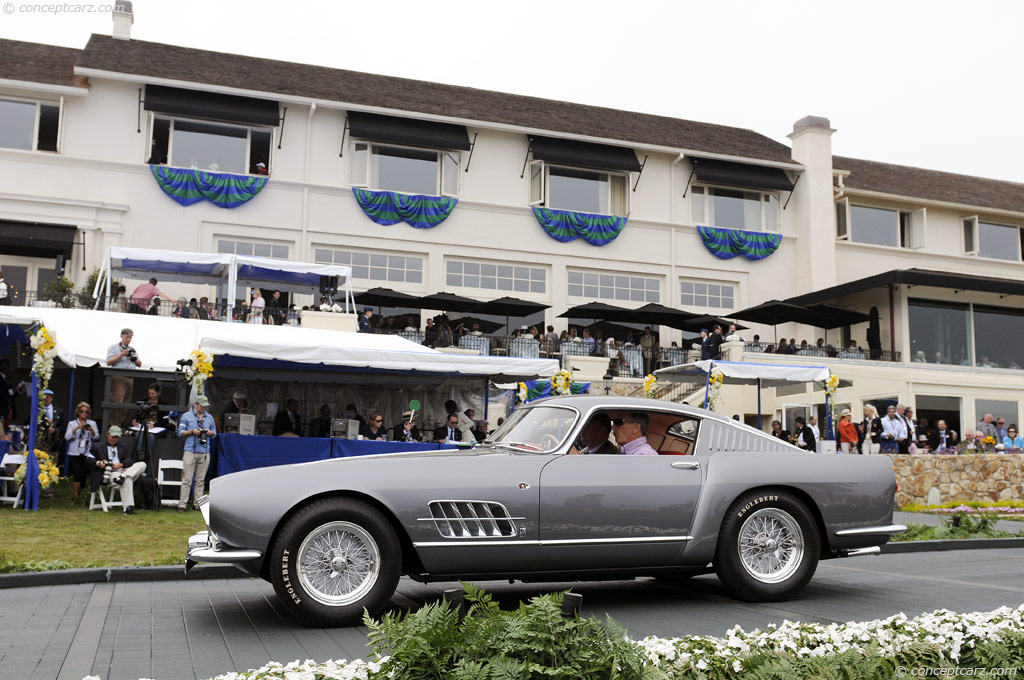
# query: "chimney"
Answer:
x=123 y=20
x=812 y=203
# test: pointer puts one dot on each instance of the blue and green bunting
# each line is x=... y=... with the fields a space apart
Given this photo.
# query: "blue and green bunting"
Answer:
x=187 y=186
x=728 y=243
x=387 y=208
x=566 y=225
x=536 y=389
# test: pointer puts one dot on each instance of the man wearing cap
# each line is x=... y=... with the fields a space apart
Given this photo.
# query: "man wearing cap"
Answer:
x=197 y=427
x=113 y=455
x=847 y=431
x=594 y=436
x=364 y=320
x=406 y=431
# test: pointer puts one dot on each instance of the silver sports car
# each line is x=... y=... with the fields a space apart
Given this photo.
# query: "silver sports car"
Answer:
x=334 y=536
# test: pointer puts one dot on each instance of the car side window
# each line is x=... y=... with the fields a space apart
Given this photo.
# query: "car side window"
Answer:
x=681 y=437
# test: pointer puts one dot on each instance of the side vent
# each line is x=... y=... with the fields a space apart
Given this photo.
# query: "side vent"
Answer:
x=472 y=519
x=720 y=437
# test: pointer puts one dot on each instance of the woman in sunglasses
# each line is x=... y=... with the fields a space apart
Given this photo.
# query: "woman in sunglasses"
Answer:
x=374 y=429
x=80 y=435
x=1012 y=441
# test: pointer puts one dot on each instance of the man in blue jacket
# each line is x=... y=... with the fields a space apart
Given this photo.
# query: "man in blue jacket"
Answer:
x=198 y=428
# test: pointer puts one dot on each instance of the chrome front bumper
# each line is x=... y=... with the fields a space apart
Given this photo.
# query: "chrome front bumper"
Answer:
x=204 y=547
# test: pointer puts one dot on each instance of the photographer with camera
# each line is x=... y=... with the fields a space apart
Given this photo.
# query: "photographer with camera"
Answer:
x=894 y=431
x=80 y=435
x=197 y=427
x=148 y=418
x=115 y=465
x=122 y=355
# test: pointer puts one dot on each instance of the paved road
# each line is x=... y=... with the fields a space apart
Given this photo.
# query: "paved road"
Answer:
x=197 y=629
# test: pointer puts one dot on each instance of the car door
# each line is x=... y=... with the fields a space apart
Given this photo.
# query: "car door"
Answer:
x=599 y=512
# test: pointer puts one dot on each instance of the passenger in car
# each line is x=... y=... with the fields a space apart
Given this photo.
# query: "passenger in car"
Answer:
x=595 y=436
x=631 y=434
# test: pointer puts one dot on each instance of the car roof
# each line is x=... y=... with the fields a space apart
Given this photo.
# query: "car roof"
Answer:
x=587 y=403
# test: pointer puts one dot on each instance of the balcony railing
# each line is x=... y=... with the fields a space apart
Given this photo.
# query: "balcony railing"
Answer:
x=824 y=352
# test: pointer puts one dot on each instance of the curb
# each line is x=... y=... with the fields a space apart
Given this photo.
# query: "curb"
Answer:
x=63 y=577
x=952 y=544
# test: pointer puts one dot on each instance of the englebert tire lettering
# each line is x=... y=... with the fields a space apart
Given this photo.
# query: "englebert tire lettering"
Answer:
x=752 y=503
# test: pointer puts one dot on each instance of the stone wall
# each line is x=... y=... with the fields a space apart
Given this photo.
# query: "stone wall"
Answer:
x=930 y=479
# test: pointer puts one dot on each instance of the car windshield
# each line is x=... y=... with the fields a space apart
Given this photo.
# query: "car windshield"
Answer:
x=540 y=428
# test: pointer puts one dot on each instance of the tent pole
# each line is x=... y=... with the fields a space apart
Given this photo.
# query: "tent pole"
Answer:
x=707 y=385
x=760 y=425
x=487 y=396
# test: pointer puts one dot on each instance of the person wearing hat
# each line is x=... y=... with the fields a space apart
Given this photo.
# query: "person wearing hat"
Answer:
x=594 y=437
x=198 y=428
x=406 y=431
x=804 y=436
x=52 y=422
x=364 y=320
x=847 y=431
x=114 y=456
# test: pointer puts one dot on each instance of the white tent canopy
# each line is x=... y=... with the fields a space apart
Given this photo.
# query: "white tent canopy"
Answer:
x=744 y=373
x=83 y=337
x=227 y=270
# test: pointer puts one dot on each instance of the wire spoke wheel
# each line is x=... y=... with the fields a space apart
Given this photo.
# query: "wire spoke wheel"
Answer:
x=338 y=563
x=770 y=545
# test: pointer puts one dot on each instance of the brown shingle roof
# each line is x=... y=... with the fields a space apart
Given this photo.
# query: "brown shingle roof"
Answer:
x=415 y=96
x=37 y=63
x=904 y=180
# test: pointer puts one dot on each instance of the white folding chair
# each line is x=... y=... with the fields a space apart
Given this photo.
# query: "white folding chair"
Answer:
x=7 y=484
x=104 y=503
x=162 y=481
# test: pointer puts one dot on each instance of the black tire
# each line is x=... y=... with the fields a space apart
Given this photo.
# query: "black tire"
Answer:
x=334 y=558
x=782 y=546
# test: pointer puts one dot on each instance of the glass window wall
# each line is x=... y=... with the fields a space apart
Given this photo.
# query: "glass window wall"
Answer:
x=939 y=332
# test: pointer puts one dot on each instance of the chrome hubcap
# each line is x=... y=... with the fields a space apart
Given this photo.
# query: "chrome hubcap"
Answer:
x=338 y=563
x=771 y=545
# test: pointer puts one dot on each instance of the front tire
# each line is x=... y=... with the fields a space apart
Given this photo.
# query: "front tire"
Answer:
x=334 y=558
x=768 y=547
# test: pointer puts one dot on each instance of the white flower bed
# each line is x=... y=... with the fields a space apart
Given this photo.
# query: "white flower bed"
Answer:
x=701 y=657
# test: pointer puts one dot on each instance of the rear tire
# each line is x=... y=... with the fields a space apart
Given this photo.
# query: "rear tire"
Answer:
x=768 y=546
x=334 y=558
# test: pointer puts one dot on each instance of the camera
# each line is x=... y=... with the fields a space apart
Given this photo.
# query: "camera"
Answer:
x=132 y=354
x=203 y=437
x=182 y=363
x=112 y=477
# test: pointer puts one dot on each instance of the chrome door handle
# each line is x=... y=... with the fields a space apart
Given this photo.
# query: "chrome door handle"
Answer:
x=687 y=465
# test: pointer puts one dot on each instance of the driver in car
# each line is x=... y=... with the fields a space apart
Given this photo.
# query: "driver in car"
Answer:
x=594 y=436
x=631 y=434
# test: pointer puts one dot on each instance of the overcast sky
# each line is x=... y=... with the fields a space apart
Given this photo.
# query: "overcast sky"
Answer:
x=932 y=84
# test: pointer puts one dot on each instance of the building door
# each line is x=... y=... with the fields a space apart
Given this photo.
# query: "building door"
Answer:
x=16 y=278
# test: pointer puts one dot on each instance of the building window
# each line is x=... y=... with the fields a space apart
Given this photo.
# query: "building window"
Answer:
x=881 y=226
x=28 y=125
x=370 y=266
x=1007 y=410
x=273 y=250
x=998 y=241
x=701 y=295
x=939 y=332
x=579 y=190
x=614 y=287
x=404 y=169
x=734 y=208
x=992 y=327
x=466 y=274
x=216 y=147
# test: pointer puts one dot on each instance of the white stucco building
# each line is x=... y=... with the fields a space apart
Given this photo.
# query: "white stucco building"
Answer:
x=938 y=255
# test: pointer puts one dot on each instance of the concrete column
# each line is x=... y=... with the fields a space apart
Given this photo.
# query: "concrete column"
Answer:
x=813 y=205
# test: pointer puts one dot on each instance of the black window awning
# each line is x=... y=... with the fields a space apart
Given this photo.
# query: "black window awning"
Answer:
x=584 y=154
x=211 y=106
x=714 y=171
x=915 y=277
x=32 y=239
x=408 y=131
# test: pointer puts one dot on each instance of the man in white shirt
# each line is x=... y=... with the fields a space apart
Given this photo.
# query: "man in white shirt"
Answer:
x=893 y=431
x=4 y=295
x=813 y=424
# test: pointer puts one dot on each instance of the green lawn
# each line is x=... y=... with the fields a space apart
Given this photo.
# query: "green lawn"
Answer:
x=63 y=536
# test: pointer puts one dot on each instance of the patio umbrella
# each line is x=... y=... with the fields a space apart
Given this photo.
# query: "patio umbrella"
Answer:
x=449 y=302
x=775 y=312
x=654 y=314
x=707 y=321
x=468 y=321
x=834 y=316
x=385 y=297
x=597 y=310
x=510 y=306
